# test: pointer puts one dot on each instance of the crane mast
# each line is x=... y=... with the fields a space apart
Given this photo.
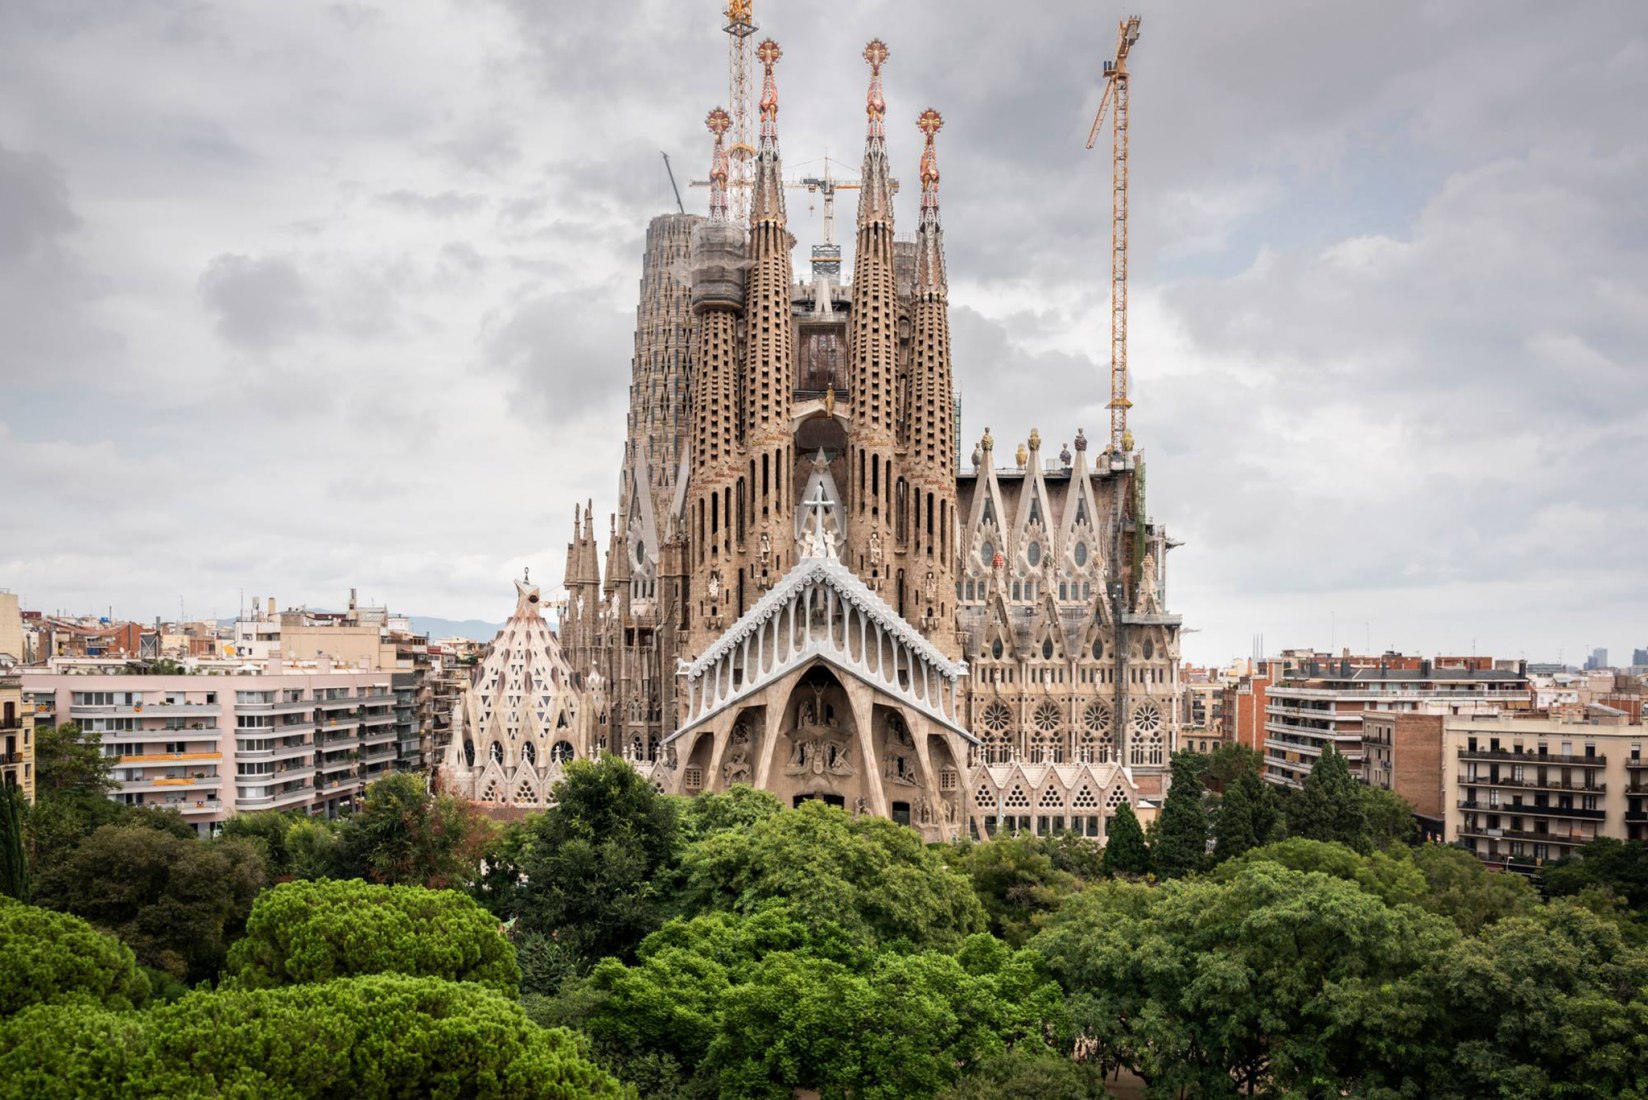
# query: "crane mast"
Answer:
x=1115 y=100
x=740 y=26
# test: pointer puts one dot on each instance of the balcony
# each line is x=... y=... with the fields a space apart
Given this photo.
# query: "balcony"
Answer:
x=1523 y=834
x=149 y=710
x=10 y=758
x=278 y=752
x=380 y=737
x=137 y=760
x=1597 y=761
x=171 y=783
x=206 y=806
x=1528 y=784
x=279 y=706
x=1635 y=816
x=1338 y=732
x=1506 y=809
x=330 y=705
x=376 y=719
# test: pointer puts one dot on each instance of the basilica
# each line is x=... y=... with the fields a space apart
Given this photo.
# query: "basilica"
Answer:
x=806 y=586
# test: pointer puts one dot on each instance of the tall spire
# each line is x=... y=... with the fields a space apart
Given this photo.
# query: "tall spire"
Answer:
x=718 y=123
x=875 y=202
x=930 y=276
x=769 y=178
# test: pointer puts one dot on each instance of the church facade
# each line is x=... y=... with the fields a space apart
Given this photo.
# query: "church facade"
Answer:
x=806 y=589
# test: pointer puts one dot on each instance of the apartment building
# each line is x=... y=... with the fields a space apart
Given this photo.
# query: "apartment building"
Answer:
x=1323 y=702
x=210 y=744
x=16 y=717
x=1525 y=790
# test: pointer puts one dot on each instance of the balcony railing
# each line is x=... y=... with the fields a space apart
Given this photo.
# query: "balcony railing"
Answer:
x=1597 y=761
x=1523 y=834
x=1527 y=810
x=1533 y=784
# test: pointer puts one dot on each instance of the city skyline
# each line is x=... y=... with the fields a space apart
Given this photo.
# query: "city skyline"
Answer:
x=284 y=334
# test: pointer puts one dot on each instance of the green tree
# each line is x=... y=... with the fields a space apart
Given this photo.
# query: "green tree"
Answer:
x=1022 y=1074
x=908 y=1025
x=591 y=863
x=1390 y=877
x=1272 y=980
x=1458 y=887
x=1619 y=865
x=50 y=958
x=1016 y=880
x=1246 y=818
x=1229 y=762
x=317 y=931
x=1181 y=830
x=311 y=846
x=763 y=1004
x=376 y=1036
x=268 y=829
x=1553 y=1003
x=178 y=902
x=716 y=812
x=1124 y=850
x=69 y=763
x=405 y=836
x=1329 y=804
x=865 y=874
x=14 y=860
x=1389 y=818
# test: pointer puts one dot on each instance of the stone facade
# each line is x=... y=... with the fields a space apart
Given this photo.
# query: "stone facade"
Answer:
x=824 y=603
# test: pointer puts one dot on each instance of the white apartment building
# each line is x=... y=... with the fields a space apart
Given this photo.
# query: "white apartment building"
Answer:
x=211 y=744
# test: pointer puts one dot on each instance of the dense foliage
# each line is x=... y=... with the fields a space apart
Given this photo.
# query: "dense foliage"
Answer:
x=377 y=1036
x=303 y=932
x=1250 y=941
x=49 y=958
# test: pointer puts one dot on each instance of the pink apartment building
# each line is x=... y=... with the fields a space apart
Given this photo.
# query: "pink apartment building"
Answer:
x=213 y=744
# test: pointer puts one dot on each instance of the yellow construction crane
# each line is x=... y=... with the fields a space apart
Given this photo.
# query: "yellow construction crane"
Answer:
x=1115 y=92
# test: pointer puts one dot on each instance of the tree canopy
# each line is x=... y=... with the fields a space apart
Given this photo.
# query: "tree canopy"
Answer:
x=317 y=931
x=867 y=874
x=51 y=958
x=177 y=902
x=376 y=1036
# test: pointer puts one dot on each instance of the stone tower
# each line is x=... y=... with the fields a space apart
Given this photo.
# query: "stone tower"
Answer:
x=770 y=353
x=660 y=376
x=873 y=353
x=931 y=453
x=717 y=492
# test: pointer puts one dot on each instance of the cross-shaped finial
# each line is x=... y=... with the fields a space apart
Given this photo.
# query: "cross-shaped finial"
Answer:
x=930 y=123
x=768 y=53
x=718 y=122
x=875 y=53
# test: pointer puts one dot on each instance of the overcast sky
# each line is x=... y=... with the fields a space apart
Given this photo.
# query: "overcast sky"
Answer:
x=302 y=296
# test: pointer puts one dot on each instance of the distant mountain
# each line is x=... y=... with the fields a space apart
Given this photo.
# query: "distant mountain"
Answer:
x=437 y=629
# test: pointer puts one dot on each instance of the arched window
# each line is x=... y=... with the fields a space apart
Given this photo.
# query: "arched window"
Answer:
x=561 y=752
x=529 y=753
x=497 y=752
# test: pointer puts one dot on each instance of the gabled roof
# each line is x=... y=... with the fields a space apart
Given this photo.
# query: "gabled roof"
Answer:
x=821 y=568
x=830 y=571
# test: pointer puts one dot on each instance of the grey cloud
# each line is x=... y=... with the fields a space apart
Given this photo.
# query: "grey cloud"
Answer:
x=257 y=304
x=447 y=204
x=566 y=356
